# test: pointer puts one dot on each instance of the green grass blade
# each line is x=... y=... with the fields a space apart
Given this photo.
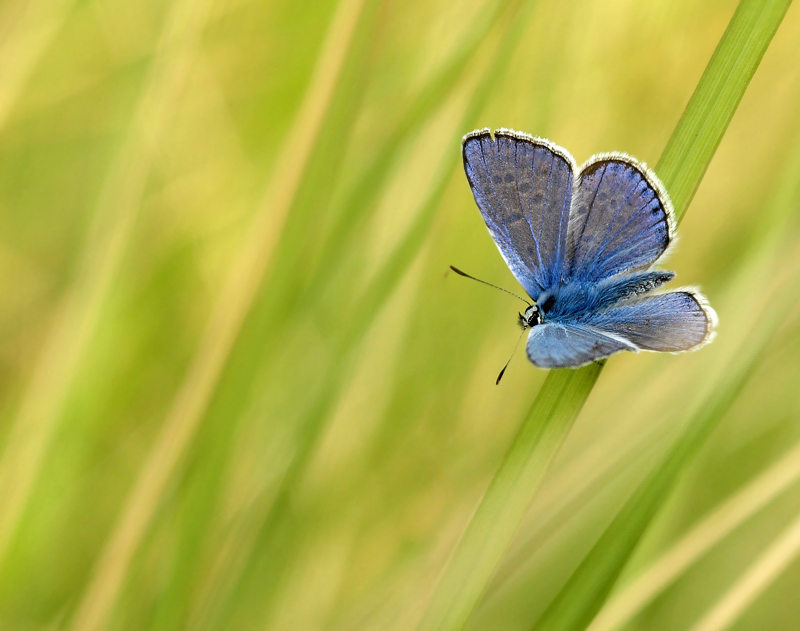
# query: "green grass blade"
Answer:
x=113 y=222
x=265 y=324
x=191 y=401
x=769 y=565
x=710 y=531
x=362 y=196
x=389 y=276
x=684 y=163
x=277 y=524
x=508 y=497
x=757 y=268
x=22 y=48
x=682 y=167
x=732 y=66
x=587 y=589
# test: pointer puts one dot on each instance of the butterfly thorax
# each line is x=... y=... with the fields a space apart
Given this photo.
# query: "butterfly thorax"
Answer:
x=573 y=300
x=563 y=300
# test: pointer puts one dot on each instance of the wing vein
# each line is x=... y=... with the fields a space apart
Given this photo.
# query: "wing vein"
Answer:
x=606 y=238
x=589 y=211
x=494 y=191
x=535 y=240
x=522 y=208
x=637 y=213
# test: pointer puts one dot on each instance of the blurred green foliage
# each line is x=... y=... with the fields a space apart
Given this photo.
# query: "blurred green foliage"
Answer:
x=238 y=389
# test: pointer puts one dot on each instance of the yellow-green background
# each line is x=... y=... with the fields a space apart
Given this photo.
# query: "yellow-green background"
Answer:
x=238 y=389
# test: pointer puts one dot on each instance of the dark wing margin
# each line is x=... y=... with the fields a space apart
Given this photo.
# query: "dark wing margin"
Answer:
x=621 y=220
x=671 y=322
x=523 y=187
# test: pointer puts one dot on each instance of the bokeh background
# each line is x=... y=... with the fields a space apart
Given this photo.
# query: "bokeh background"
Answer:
x=238 y=388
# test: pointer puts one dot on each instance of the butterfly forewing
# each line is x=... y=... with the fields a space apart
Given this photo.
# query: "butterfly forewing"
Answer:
x=620 y=221
x=523 y=188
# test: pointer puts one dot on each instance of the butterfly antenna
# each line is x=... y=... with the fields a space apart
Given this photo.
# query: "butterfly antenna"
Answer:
x=502 y=372
x=465 y=275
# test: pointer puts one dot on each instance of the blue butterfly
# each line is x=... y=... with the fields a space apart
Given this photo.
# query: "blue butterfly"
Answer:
x=582 y=242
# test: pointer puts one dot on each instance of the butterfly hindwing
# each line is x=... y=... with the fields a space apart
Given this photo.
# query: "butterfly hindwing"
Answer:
x=628 y=286
x=574 y=301
x=523 y=188
x=569 y=345
x=621 y=219
x=671 y=322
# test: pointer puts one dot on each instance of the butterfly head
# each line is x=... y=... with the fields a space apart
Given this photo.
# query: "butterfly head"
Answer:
x=530 y=318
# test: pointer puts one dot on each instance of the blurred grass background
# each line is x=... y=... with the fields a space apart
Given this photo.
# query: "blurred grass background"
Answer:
x=238 y=389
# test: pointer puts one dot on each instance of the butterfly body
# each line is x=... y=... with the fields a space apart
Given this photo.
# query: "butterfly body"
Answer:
x=582 y=242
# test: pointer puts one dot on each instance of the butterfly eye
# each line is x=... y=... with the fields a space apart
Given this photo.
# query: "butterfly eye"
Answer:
x=530 y=318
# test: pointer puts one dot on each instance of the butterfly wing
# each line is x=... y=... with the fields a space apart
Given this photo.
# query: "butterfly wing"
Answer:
x=523 y=188
x=671 y=322
x=621 y=219
x=625 y=287
x=569 y=345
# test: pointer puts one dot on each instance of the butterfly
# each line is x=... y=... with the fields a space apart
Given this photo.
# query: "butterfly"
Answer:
x=583 y=242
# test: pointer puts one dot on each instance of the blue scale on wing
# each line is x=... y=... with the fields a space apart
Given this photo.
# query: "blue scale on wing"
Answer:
x=559 y=345
x=578 y=298
x=523 y=189
x=676 y=321
x=618 y=223
x=671 y=322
